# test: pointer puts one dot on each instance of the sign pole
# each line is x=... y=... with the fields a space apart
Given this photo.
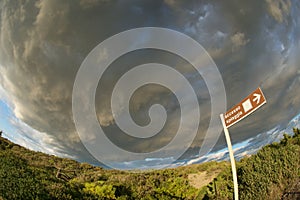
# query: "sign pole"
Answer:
x=247 y=106
x=232 y=161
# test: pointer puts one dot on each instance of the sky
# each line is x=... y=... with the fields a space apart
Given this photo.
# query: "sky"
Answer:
x=43 y=44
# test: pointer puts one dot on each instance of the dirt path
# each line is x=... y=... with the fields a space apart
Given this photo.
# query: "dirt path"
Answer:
x=201 y=179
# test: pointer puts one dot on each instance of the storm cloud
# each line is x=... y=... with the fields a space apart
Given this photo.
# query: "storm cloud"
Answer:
x=43 y=43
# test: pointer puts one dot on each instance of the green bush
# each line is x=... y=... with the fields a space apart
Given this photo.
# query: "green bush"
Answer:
x=25 y=174
x=17 y=180
x=100 y=190
x=265 y=175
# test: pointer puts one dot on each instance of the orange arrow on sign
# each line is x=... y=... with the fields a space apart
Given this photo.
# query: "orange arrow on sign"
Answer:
x=251 y=103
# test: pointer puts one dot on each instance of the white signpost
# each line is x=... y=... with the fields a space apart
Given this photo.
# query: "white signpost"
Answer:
x=251 y=103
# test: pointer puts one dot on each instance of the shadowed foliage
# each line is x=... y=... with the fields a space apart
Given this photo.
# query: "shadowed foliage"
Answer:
x=272 y=173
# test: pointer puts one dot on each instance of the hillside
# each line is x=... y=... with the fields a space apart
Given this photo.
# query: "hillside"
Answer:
x=273 y=173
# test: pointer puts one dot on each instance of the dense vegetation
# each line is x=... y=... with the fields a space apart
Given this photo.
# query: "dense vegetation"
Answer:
x=273 y=173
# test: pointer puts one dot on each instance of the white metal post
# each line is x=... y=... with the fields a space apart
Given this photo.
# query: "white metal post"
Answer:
x=232 y=161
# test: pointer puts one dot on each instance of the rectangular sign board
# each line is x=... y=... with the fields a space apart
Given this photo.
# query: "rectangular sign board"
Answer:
x=251 y=103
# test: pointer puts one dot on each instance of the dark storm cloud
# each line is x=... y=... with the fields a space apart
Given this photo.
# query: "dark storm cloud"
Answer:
x=42 y=46
x=44 y=42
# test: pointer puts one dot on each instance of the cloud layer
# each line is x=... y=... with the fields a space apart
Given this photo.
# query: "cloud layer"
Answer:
x=43 y=43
